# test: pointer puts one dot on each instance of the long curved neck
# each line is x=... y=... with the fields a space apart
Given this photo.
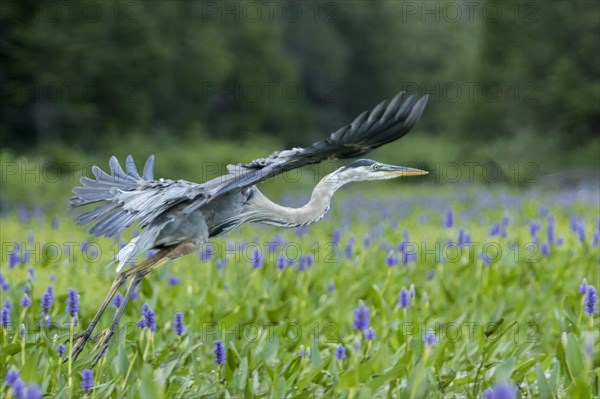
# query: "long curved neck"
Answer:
x=263 y=210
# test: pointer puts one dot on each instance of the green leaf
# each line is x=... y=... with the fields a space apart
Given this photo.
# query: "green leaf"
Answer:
x=544 y=387
x=315 y=355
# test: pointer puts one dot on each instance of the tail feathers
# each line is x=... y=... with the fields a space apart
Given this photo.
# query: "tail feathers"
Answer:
x=104 y=188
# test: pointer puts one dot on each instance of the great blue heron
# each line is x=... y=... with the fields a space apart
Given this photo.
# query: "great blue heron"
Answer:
x=177 y=216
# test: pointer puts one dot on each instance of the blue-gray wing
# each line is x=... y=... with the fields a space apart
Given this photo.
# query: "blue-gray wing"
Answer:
x=125 y=197
x=388 y=121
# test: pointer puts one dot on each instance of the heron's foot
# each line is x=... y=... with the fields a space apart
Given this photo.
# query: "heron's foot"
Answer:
x=79 y=342
x=104 y=340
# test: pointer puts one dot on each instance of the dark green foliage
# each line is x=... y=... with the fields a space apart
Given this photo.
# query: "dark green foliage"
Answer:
x=79 y=72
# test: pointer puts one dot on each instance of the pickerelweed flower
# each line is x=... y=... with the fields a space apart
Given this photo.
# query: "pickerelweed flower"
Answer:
x=25 y=301
x=350 y=248
x=8 y=305
x=534 y=228
x=117 y=301
x=18 y=388
x=281 y=262
x=72 y=303
x=257 y=260
x=429 y=338
x=550 y=230
x=367 y=241
x=5 y=317
x=148 y=319
x=60 y=350
x=32 y=391
x=449 y=220
x=221 y=264
x=335 y=238
x=545 y=249
x=340 y=352
x=404 y=298
x=370 y=334
x=47 y=300
x=87 y=380
x=178 y=324
x=501 y=391
x=486 y=259
x=361 y=318
x=11 y=377
x=13 y=259
x=495 y=230
x=591 y=299
x=206 y=254
x=3 y=283
x=219 y=351
x=583 y=287
x=174 y=280
x=391 y=260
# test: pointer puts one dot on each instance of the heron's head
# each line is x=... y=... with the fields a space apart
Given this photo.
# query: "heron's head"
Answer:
x=367 y=169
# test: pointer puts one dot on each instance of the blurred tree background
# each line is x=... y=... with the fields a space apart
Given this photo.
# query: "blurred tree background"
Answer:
x=93 y=74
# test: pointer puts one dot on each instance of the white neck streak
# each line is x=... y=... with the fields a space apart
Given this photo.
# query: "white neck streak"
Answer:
x=263 y=210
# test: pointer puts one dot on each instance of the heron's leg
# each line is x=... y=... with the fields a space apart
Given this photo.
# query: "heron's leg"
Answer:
x=138 y=273
x=81 y=339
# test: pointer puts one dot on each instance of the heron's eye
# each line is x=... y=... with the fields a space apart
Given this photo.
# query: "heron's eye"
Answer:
x=376 y=166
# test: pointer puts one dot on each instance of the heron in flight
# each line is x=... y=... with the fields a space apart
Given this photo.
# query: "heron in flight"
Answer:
x=176 y=216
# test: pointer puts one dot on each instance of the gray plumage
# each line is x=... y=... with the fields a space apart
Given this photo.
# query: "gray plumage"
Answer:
x=171 y=211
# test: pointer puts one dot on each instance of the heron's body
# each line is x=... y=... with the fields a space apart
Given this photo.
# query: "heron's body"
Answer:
x=176 y=216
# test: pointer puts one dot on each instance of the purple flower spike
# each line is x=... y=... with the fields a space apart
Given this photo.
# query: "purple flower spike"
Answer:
x=337 y=235
x=591 y=299
x=429 y=338
x=257 y=259
x=361 y=318
x=60 y=349
x=281 y=262
x=545 y=249
x=12 y=376
x=117 y=301
x=404 y=299
x=391 y=260
x=148 y=318
x=174 y=280
x=47 y=300
x=370 y=334
x=449 y=220
x=178 y=324
x=72 y=303
x=583 y=287
x=340 y=352
x=501 y=391
x=13 y=259
x=219 y=351
x=87 y=380
x=25 y=301
x=5 y=317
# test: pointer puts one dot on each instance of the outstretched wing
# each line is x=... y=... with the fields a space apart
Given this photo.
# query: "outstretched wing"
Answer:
x=388 y=121
x=126 y=197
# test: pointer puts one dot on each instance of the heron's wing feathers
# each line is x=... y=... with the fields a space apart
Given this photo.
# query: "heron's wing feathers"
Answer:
x=388 y=121
x=127 y=197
